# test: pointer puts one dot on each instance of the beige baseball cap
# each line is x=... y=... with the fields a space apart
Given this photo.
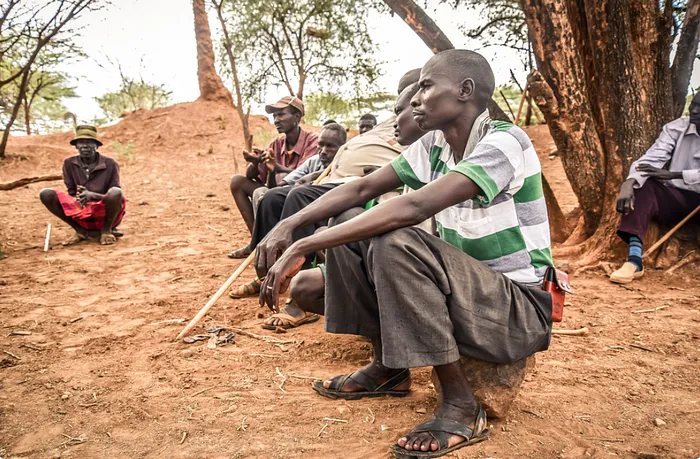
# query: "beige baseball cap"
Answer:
x=286 y=101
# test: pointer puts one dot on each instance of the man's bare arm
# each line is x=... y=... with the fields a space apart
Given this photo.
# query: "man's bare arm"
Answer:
x=335 y=202
x=406 y=210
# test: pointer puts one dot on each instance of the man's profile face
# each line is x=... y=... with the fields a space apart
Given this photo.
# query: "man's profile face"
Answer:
x=694 y=110
x=328 y=145
x=365 y=125
x=406 y=129
x=86 y=149
x=286 y=120
x=436 y=102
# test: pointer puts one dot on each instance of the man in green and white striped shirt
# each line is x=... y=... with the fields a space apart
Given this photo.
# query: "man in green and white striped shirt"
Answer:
x=424 y=300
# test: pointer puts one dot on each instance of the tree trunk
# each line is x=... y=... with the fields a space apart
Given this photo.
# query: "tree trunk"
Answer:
x=211 y=87
x=604 y=88
x=25 y=181
x=15 y=112
x=242 y=114
x=434 y=37
x=685 y=56
x=27 y=117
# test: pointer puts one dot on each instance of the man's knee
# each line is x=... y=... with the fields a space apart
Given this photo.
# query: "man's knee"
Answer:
x=48 y=196
x=387 y=244
x=114 y=194
x=237 y=181
x=307 y=286
x=346 y=216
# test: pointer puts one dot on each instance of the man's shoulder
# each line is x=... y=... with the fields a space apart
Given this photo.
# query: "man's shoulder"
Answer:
x=503 y=131
x=679 y=124
x=109 y=161
x=71 y=160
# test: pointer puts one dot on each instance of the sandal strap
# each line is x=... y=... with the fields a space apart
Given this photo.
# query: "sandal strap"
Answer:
x=395 y=380
x=338 y=382
x=439 y=428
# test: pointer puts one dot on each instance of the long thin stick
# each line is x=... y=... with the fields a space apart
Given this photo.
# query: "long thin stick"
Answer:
x=48 y=237
x=670 y=233
x=219 y=293
x=507 y=104
x=520 y=107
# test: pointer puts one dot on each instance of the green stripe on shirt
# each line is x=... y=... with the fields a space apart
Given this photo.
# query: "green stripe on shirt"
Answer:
x=480 y=177
x=403 y=169
x=489 y=247
x=541 y=258
x=531 y=190
x=436 y=164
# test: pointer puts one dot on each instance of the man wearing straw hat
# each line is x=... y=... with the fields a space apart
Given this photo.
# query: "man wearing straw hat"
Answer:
x=94 y=203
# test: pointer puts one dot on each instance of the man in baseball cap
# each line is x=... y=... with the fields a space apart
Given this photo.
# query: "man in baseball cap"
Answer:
x=267 y=168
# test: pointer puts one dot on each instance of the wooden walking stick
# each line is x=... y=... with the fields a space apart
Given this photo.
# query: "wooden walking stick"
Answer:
x=219 y=293
x=48 y=238
x=520 y=107
x=670 y=233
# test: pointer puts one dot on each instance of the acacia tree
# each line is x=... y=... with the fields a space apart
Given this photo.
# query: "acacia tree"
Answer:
x=26 y=28
x=290 y=43
x=606 y=85
x=133 y=94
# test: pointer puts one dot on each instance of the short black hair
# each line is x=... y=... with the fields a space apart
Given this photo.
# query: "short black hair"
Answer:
x=369 y=117
x=410 y=77
x=463 y=64
x=338 y=129
x=329 y=122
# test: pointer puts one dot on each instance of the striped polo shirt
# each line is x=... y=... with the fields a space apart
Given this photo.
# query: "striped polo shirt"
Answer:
x=505 y=226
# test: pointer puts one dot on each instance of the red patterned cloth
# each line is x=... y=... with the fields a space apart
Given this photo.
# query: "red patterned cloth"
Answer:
x=90 y=217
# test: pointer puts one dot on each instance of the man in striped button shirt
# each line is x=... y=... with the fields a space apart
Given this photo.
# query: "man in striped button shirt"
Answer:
x=425 y=300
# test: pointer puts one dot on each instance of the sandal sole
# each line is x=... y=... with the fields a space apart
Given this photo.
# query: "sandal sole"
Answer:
x=401 y=453
x=334 y=395
x=310 y=320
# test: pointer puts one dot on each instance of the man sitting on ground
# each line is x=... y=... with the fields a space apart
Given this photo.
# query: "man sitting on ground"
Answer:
x=94 y=202
x=362 y=154
x=307 y=290
x=367 y=123
x=283 y=155
x=655 y=191
x=425 y=300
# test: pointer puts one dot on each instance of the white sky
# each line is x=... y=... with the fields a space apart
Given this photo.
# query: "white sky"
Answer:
x=155 y=38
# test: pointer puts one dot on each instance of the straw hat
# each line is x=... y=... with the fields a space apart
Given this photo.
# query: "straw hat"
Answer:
x=86 y=131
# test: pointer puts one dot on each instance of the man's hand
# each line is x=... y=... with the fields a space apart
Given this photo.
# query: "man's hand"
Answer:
x=278 y=278
x=269 y=160
x=85 y=196
x=625 y=200
x=276 y=242
x=254 y=158
x=658 y=174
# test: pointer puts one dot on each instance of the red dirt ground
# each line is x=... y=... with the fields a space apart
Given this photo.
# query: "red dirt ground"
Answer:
x=99 y=375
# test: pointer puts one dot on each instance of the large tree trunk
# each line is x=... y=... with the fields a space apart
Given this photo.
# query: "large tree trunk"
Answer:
x=210 y=85
x=414 y=16
x=604 y=86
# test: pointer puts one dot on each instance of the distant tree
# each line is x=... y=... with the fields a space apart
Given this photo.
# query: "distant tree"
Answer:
x=27 y=27
x=133 y=94
x=291 y=43
x=321 y=106
x=210 y=85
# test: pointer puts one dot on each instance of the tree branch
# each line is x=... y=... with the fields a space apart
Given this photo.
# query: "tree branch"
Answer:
x=685 y=55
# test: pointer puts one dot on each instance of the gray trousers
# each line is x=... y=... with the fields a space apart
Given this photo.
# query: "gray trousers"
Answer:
x=429 y=302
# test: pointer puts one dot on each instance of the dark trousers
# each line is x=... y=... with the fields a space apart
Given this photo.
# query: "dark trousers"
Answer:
x=656 y=201
x=279 y=203
x=429 y=302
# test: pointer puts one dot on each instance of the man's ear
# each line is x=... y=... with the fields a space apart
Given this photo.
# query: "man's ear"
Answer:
x=466 y=89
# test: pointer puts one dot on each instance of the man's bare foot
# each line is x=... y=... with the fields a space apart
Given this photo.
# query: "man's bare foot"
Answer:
x=76 y=239
x=243 y=252
x=291 y=309
x=377 y=373
x=456 y=410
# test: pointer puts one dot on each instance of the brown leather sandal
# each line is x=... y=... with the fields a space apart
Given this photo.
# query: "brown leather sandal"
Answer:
x=252 y=288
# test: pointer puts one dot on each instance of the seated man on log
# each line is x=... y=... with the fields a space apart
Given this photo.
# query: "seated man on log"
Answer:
x=367 y=123
x=663 y=185
x=360 y=155
x=94 y=203
x=307 y=290
x=425 y=300
x=284 y=154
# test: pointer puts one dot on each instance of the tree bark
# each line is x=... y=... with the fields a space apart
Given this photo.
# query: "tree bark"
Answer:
x=414 y=16
x=685 y=55
x=211 y=87
x=604 y=88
